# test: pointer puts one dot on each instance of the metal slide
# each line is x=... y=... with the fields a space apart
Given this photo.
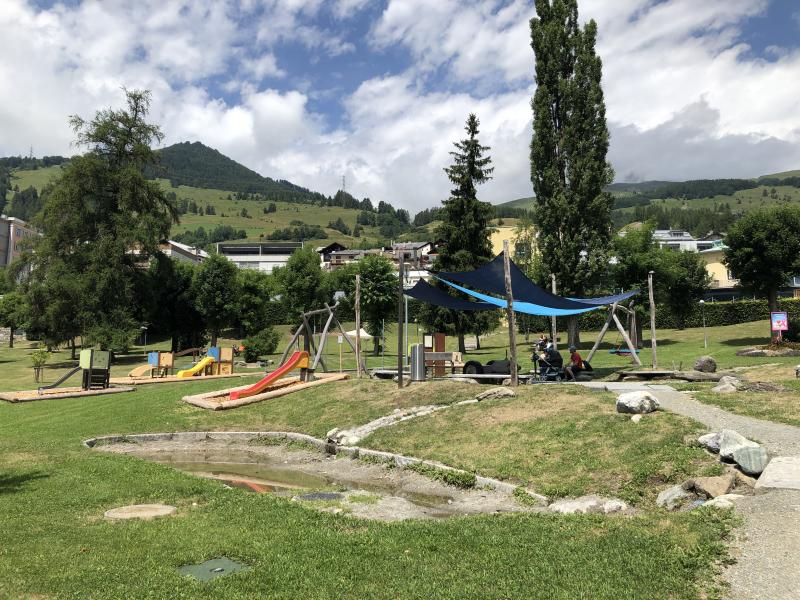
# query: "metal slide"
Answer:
x=298 y=360
x=60 y=381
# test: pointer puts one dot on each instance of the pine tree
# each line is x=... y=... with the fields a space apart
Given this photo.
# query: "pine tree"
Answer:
x=568 y=151
x=465 y=225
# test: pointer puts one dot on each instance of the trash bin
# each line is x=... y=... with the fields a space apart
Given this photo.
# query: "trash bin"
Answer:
x=417 y=362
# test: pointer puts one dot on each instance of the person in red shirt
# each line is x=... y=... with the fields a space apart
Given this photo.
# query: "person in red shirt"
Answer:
x=575 y=365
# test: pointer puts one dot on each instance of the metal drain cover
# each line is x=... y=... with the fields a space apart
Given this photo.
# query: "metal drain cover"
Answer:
x=211 y=569
x=320 y=496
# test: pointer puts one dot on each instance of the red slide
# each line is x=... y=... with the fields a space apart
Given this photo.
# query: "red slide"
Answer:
x=298 y=360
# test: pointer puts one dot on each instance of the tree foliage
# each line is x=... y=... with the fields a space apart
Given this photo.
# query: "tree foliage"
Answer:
x=464 y=226
x=301 y=282
x=14 y=313
x=216 y=294
x=764 y=250
x=101 y=218
x=378 y=294
x=568 y=149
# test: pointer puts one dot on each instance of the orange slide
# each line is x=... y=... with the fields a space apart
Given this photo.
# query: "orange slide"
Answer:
x=298 y=360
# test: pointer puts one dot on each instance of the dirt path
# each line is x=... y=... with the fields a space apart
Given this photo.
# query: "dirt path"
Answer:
x=767 y=546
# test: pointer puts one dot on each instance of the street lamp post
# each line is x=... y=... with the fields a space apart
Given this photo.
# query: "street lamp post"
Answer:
x=144 y=334
x=705 y=333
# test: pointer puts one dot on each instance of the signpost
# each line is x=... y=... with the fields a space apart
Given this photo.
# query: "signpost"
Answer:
x=779 y=322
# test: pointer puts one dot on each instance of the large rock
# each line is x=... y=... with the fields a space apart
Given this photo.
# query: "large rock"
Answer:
x=587 y=505
x=710 y=441
x=705 y=364
x=730 y=441
x=638 y=402
x=724 y=501
x=711 y=487
x=496 y=392
x=782 y=472
x=673 y=497
x=751 y=460
x=727 y=385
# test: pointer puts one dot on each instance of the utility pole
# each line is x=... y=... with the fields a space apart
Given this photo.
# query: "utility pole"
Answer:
x=400 y=306
x=358 y=325
x=554 y=331
x=653 y=342
x=512 y=327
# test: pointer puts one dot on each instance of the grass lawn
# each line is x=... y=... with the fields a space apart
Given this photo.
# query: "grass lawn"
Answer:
x=53 y=492
x=781 y=407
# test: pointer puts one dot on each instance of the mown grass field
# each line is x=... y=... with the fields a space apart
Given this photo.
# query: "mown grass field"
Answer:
x=53 y=492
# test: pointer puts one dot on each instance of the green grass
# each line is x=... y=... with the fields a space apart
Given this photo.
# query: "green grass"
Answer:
x=53 y=493
x=780 y=407
x=563 y=441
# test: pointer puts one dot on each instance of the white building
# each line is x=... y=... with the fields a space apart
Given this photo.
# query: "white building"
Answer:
x=261 y=256
x=183 y=252
x=675 y=239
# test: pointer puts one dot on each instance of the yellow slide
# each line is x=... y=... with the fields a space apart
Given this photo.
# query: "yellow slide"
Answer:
x=198 y=368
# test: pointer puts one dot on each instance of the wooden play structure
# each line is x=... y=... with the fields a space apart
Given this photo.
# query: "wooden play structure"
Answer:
x=159 y=364
x=94 y=367
x=276 y=383
x=630 y=348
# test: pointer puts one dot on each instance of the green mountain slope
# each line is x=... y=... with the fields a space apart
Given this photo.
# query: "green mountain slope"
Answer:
x=196 y=165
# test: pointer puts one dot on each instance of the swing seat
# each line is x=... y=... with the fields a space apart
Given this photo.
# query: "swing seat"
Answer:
x=622 y=351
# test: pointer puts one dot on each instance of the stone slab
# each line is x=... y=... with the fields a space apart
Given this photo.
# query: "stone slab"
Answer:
x=782 y=472
x=140 y=511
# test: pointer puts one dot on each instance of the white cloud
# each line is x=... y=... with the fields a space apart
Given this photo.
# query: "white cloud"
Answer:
x=684 y=98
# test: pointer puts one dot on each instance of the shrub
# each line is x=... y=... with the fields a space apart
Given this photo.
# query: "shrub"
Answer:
x=260 y=344
x=39 y=358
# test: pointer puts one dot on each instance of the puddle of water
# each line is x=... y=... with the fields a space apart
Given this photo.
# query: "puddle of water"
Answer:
x=256 y=473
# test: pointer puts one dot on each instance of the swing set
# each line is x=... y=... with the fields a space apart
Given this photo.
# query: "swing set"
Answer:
x=630 y=348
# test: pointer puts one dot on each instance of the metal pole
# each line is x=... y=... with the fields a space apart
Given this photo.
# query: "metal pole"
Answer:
x=703 y=312
x=512 y=333
x=653 y=342
x=358 y=325
x=400 y=305
x=553 y=330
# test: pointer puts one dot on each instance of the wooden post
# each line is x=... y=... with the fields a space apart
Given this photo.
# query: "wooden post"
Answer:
x=553 y=330
x=653 y=342
x=512 y=328
x=627 y=339
x=602 y=332
x=358 y=325
x=400 y=277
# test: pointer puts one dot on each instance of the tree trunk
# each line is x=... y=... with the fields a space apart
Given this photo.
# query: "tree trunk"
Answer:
x=375 y=346
x=477 y=342
x=461 y=345
x=72 y=349
x=214 y=335
x=10 y=337
x=772 y=299
x=573 y=331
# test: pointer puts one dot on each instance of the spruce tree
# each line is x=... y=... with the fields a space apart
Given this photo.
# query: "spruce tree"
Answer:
x=568 y=151
x=465 y=226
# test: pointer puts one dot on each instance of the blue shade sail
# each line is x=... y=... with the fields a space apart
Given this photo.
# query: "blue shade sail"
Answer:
x=425 y=292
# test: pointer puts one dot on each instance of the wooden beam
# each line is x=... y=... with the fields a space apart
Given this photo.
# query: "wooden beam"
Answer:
x=602 y=333
x=512 y=327
x=553 y=329
x=358 y=325
x=653 y=342
x=400 y=338
x=627 y=339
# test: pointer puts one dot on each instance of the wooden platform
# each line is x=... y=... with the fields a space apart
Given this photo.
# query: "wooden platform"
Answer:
x=220 y=399
x=648 y=375
x=175 y=379
x=59 y=393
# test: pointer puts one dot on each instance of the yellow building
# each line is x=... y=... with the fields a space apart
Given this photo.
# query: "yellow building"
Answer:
x=500 y=234
x=721 y=277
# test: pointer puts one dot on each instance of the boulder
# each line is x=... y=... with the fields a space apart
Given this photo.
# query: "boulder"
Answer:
x=710 y=441
x=639 y=402
x=586 y=505
x=711 y=487
x=672 y=498
x=495 y=392
x=705 y=364
x=751 y=460
x=743 y=479
x=724 y=501
x=727 y=385
x=730 y=441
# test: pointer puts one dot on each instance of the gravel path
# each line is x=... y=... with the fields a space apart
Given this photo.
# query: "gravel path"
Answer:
x=767 y=546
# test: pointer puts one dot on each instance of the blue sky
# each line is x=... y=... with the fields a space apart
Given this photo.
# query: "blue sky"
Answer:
x=377 y=90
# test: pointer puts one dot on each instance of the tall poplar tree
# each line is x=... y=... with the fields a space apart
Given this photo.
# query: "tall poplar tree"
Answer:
x=568 y=151
x=464 y=228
